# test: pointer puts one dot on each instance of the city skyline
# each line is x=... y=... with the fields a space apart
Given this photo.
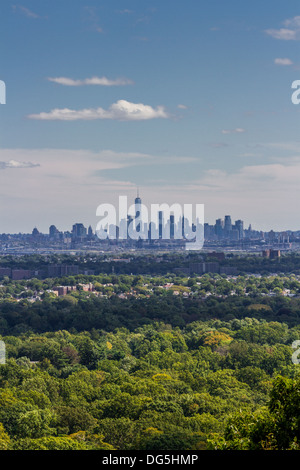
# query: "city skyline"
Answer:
x=223 y=228
x=164 y=217
x=169 y=228
x=189 y=101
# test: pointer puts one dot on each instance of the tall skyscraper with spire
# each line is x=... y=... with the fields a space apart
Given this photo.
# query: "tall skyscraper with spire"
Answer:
x=137 y=203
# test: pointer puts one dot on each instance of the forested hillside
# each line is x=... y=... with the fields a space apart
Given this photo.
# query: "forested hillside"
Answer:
x=150 y=363
x=155 y=387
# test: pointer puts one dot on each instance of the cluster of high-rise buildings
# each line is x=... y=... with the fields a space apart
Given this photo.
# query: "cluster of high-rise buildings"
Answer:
x=166 y=227
x=78 y=233
x=221 y=230
x=225 y=229
x=167 y=231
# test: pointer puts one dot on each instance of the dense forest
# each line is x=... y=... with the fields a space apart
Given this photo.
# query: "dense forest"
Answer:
x=210 y=385
x=143 y=362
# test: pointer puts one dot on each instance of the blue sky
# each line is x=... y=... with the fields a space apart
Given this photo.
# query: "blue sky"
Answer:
x=190 y=101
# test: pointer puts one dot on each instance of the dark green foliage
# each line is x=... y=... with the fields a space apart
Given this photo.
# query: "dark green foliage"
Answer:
x=156 y=387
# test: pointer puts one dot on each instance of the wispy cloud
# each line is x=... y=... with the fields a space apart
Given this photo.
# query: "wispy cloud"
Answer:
x=25 y=11
x=283 y=61
x=290 y=32
x=93 y=19
x=17 y=164
x=100 y=81
x=125 y=11
x=122 y=110
x=237 y=130
x=261 y=176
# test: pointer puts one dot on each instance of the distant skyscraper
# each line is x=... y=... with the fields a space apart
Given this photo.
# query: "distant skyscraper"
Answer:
x=137 y=200
x=137 y=203
x=219 y=228
x=239 y=224
x=172 y=226
x=129 y=221
x=160 y=224
x=35 y=232
x=52 y=231
x=79 y=231
x=227 y=224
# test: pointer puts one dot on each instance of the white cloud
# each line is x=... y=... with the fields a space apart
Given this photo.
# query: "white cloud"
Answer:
x=182 y=106
x=25 y=11
x=285 y=34
x=237 y=130
x=100 y=81
x=122 y=110
x=283 y=61
x=265 y=182
x=291 y=31
x=17 y=164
